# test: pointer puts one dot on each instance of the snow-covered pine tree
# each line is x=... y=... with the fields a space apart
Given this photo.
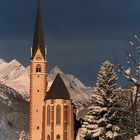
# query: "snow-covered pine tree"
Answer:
x=101 y=122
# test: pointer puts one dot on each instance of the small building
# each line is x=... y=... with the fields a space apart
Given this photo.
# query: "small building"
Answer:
x=59 y=112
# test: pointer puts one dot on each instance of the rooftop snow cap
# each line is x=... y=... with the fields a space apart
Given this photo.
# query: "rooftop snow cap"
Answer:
x=58 y=90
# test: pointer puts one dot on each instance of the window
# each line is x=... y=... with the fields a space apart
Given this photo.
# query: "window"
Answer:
x=58 y=114
x=38 y=68
x=58 y=137
x=67 y=114
x=48 y=137
x=48 y=115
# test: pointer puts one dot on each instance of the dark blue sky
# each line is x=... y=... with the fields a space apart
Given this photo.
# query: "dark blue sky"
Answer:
x=80 y=34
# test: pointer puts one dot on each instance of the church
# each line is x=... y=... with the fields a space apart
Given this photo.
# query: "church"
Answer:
x=51 y=112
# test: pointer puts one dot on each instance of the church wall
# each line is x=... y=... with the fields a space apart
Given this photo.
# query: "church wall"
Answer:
x=64 y=129
x=37 y=95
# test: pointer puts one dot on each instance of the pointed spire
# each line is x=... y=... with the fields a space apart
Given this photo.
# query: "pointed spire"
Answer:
x=38 y=41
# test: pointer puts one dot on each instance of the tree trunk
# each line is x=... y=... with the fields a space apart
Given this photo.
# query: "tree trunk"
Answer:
x=134 y=107
x=133 y=122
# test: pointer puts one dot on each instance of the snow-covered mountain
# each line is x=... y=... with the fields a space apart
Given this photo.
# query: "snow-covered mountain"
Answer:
x=13 y=114
x=16 y=76
x=14 y=95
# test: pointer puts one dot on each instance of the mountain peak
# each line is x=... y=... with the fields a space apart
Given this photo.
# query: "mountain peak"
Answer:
x=2 y=61
x=15 y=63
x=56 y=70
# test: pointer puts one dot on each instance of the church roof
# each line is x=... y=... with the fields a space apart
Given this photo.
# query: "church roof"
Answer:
x=38 y=41
x=58 y=90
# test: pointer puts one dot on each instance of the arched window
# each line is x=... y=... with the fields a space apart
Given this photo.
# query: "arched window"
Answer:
x=38 y=68
x=58 y=137
x=58 y=114
x=67 y=114
x=48 y=137
x=48 y=115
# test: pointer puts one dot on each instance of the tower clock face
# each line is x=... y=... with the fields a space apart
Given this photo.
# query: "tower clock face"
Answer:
x=38 y=58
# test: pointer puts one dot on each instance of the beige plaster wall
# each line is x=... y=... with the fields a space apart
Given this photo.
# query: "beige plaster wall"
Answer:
x=37 y=95
x=66 y=131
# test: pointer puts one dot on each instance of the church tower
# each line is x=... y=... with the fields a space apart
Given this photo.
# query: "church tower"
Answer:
x=38 y=80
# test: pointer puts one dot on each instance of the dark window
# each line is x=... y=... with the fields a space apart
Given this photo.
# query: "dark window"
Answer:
x=58 y=114
x=67 y=114
x=48 y=137
x=38 y=68
x=58 y=137
x=37 y=127
x=48 y=115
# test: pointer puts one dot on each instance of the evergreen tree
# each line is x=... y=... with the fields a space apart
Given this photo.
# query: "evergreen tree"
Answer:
x=101 y=122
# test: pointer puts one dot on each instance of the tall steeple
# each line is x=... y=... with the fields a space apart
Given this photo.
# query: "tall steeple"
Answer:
x=38 y=80
x=38 y=41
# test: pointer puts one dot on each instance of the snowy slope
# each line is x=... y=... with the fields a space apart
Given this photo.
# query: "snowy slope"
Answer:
x=16 y=76
x=13 y=114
